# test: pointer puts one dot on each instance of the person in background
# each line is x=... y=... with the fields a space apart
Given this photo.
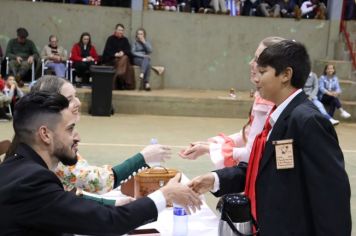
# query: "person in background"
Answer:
x=290 y=9
x=311 y=89
x=227 y=151
x=4 y=102
x=83 y=55
x=270 y=8
x=219 y=6
x=117 y=53
x=141 y=50
x=329 y=91
x=170 y=5
x=22 y=53
x=55 y=57
x=12 y=91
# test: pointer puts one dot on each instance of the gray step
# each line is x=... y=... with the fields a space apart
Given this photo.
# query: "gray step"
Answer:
x=348 y=88
x=176 y=102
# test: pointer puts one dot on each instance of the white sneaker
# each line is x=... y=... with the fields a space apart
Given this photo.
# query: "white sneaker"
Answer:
x=345 y=114
x=333 y=121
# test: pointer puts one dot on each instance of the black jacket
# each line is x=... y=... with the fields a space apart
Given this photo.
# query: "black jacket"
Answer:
x=113 y=45
x=311 y=199
x=33 y=202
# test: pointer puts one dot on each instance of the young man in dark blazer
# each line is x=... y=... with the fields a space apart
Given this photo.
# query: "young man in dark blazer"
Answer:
x=32 y=199
x=300 y=185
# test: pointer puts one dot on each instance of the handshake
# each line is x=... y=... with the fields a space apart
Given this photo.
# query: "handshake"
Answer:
x=188 y=195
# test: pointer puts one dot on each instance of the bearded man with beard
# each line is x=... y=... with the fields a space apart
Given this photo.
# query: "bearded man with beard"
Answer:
x=32 y=198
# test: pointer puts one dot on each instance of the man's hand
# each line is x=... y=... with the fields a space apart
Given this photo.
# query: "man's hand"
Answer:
x=19 y=59
x=202 y=184
x=156 y=153
x=56 y=58
x=124 y=200
x=178 y=193
x=30 y=59
x=195 y=150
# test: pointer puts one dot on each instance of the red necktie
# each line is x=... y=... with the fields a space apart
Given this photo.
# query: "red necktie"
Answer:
x=254 y=163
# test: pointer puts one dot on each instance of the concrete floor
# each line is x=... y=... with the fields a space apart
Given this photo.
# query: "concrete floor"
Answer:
x=110 y=140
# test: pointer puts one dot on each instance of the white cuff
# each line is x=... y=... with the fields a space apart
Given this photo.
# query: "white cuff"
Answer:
x=216 y=156
x=216 y=183
x=158 y=198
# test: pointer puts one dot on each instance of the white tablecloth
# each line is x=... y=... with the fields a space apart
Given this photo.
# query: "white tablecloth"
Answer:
x=203 y=222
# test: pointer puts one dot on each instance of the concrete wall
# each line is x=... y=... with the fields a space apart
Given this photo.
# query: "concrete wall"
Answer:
x=198 y=51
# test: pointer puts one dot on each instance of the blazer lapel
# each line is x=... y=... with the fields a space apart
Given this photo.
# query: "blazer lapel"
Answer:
x=279 y=129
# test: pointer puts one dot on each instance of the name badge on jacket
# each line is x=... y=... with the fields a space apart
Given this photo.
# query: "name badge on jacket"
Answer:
x=284 y=154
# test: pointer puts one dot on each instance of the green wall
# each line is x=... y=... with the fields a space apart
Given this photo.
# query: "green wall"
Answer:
x=198 y=51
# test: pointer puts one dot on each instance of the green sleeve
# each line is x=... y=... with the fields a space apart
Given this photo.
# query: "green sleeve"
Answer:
x=125 y=169
x=101 y=200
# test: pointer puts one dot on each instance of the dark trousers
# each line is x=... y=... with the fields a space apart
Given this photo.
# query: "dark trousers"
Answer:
x=332 y=103
x=145 y=65
x=82 y=69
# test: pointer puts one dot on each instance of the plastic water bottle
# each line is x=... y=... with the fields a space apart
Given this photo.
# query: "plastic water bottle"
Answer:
x=154 y=141
x=180 y=221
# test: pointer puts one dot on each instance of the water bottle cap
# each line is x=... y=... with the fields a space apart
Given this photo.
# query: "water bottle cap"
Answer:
x=178 y=210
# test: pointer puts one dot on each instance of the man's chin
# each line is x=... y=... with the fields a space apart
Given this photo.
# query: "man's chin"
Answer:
x=69 y=161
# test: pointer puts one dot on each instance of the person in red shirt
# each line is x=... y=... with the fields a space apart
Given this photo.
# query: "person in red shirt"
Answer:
x=83 y=55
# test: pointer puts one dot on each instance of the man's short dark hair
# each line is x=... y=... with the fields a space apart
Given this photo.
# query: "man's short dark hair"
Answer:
x=22 y=33
x=121 y=25
x=36 y=109
x=287 y=53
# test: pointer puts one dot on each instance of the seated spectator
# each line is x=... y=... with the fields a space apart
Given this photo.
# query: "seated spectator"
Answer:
x=219 y=6
x=55 y=57
x=170 y=5
x=83 y=55
x=201 y=6
x=12 y=91
x=350 y=10
x=251 y=8
x=290 y=9
x=141 y=50
x=313 y=9
x=22 y=52
x=80 y=1
x=329 y=91
x=117 y=52
x=270 y=8
x=311 y=89
x=4 y=102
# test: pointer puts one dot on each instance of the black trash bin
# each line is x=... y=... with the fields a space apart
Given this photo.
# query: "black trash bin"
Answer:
x=101 y=94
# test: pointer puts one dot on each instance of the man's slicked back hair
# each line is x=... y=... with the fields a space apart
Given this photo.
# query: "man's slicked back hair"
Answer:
x=37 y=109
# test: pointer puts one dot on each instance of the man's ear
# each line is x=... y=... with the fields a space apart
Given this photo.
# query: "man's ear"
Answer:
x=45 y=134
x=287 y=75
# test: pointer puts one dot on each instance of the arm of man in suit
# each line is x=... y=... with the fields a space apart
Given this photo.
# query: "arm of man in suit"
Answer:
x=43 y=205
x=54 y=210
x=325 y=178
